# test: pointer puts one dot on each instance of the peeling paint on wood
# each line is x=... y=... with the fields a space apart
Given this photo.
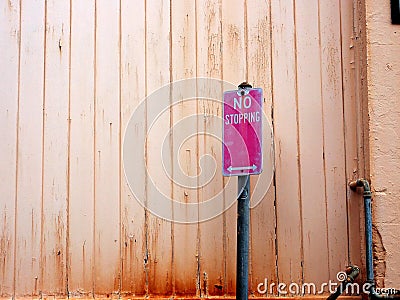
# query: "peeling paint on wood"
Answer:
x=184 y=154
x=55 y=154
x=75 y=72
x=133 y=236
x=259 y=72
x=9 y=33
x=289 y=254
x=209 y=63
x=29 y=159
x=81 y=151
x=106 y=142
x=158 y=73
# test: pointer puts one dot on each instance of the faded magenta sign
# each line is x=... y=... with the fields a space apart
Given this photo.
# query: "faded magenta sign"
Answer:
x=242 y=132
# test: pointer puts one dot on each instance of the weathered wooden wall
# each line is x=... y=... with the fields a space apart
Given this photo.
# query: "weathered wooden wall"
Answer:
x=73 y=72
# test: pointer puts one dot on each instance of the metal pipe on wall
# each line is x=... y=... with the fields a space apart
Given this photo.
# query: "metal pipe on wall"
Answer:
x=373 y=294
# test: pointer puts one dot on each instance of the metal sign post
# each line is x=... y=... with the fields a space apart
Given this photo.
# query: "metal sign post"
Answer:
x=243 y=227
x=242 y=157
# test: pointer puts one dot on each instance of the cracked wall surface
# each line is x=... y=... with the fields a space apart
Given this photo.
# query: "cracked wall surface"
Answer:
x=383 y=58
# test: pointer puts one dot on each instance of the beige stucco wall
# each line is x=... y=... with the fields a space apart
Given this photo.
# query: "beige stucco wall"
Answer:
x=383 y=55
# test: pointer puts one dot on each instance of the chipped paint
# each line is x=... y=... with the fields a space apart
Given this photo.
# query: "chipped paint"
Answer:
x=78 y=229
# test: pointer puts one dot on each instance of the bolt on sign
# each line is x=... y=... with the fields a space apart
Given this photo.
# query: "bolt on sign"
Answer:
x=242 y=132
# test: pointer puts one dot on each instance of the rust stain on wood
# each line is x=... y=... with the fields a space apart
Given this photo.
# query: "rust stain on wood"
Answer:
x=143 y=55
x=5 y=251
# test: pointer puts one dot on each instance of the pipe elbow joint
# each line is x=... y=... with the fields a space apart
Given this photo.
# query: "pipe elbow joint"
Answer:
x=361 y=183
x=352 y=273
x=355 y=184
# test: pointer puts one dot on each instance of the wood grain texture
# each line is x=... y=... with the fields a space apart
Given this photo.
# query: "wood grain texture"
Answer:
x=184 y=148
x=209 y=64
x=30 y=147
x=132 y=94
x=334 y=149
x=234 y=71
x=55 y=149
x=9 y=62
x=81 y=151
x=315 y=243
x=361 y=90
x=259 y=74
x=107 y=153
x=288 y=198
x=159 y=239
x=350 y=130
x=75 y=71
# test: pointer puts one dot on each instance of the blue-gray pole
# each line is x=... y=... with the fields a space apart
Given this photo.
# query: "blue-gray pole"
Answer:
x=243 y=225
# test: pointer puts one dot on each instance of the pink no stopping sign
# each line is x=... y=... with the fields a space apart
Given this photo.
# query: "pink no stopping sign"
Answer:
x=242 y=132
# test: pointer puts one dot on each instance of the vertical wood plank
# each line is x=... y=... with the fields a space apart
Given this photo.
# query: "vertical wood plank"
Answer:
x=132 y=93
x=362 y=109
x=9 y=60
x=258 y=60
x=350 y=129
x=81 y=151
x=288 y=202
x=54 y=194
x=209 y=64
x=107 y=228
x=107 y=152
x=184 y=147
x=311 y=142
x=360 y=38
x=334 y=168
x=160 y=247
x=29 y=160
x=234 y=71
